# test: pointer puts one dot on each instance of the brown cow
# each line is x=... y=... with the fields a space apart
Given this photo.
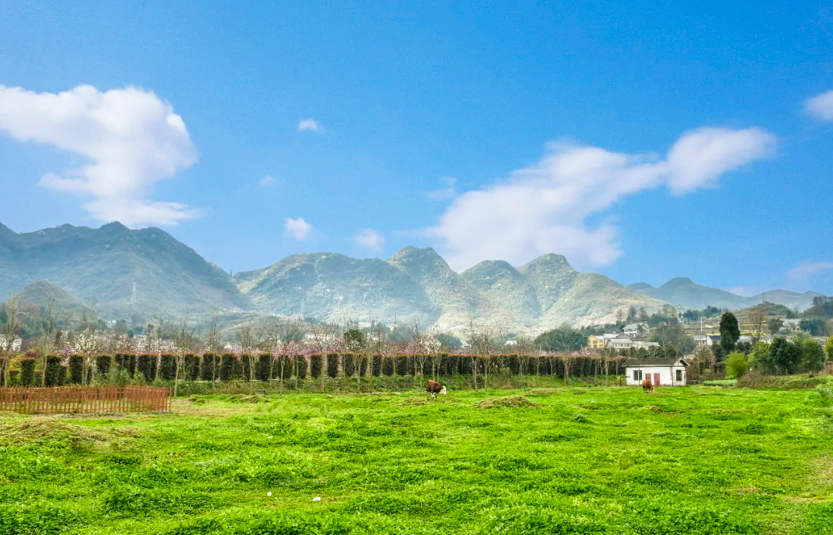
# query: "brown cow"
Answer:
x=647 y=386
x=433 y=388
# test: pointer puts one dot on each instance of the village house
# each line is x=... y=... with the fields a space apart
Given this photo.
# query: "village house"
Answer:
x=702 y=340
x=595 y=342
x=635 y=329
x=663 y=371
x=13 y=346
x=644 y=344
x=620 y=342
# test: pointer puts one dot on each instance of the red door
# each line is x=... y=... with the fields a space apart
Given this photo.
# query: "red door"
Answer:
x=656 y=379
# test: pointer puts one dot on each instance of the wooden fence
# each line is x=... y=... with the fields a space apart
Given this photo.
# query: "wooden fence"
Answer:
x=85 y=399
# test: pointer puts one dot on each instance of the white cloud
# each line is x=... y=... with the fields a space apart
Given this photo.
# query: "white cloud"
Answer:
x=131 y=138
x=370 y=239
x=807 y=270
x=820 y=107
x=267 y=181
x=542 y=208
x=310 y=125
x=297 y=229
x=448 y=192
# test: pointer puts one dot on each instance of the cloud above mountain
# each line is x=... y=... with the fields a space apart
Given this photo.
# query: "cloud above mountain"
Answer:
x=544 y=207
x=130 y=138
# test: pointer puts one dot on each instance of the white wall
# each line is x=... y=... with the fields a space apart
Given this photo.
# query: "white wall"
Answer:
x=667 y=375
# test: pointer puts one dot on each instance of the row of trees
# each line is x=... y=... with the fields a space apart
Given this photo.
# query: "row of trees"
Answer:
x=266 y=367
x=781 y=357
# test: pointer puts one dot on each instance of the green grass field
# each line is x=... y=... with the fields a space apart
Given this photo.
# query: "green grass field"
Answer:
x=575 y=460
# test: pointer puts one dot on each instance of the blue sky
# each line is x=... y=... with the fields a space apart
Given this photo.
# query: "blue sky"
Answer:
x=643 y=141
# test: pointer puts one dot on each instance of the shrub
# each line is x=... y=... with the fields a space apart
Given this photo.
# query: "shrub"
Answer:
x=131 y=365
x=243 y=367
x=332 y=365
x=736 y=365
x=167 y=368
x=53 y=371
x=192 y=367
x=227 y=365
x=263 y=370
x=27 y=371
x=513 y=362
x=283 y=367
x=316 y=366
x=361 y=364
x=207 y=371
x=300 y=364
x=103 y=363
x=349 y=364
x=387 y=366
x=14 y=377
x=376 y=365
x=62 y=375
x=76 y=369
x=147 y=367
x=428 y=365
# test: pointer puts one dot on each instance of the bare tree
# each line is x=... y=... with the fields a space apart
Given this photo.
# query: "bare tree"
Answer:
x=186 y=343
x=249 y=338
x=757 y=319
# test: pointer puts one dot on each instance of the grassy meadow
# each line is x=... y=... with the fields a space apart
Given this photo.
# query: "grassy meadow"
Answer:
x=560 y=460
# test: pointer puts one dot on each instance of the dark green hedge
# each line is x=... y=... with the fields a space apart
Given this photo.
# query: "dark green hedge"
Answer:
x=76 y=369
x=102 y=365
x=332 y=365
x=27 y=372
x=316 y=366
x=300 y=366
x=146 y=365
x=53 y=371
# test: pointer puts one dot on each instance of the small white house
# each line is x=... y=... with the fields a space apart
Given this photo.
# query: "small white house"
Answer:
x=665 y=371
x=635 y=329
x=13 y=346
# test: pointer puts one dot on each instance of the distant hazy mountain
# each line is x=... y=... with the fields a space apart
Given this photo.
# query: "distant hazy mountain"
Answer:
x=417 y=284
x=684 y=293
x=40 y=294
x=100 y=266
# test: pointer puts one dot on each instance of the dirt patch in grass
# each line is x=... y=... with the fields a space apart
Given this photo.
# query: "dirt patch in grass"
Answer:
x=544 y=391
x=44 y=429
x=507 y=401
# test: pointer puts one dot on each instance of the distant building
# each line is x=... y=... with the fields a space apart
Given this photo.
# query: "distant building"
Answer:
x=792 y=325
x=13 y=346
x=664 y=371
x=702 y=340
x=635 y=329
x=620 y=342
x=644 y=344
x=595 y=342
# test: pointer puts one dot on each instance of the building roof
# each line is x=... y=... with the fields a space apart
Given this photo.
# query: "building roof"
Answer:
x=633 y=326
x=659 y=361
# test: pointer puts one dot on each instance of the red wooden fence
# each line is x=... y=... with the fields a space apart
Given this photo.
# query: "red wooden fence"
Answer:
x=85 y=399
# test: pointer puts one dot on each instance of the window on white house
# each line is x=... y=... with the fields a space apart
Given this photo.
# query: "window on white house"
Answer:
x=679 y=376
x=637 y=375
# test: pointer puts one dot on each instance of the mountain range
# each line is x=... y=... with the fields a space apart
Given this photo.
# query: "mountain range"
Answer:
x=126 y=273
x=683 y=293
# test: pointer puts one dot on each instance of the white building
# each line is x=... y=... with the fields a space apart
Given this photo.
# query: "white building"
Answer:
x=665 y=371
x=13 y=346
x=635 y=329
x=620 y=342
